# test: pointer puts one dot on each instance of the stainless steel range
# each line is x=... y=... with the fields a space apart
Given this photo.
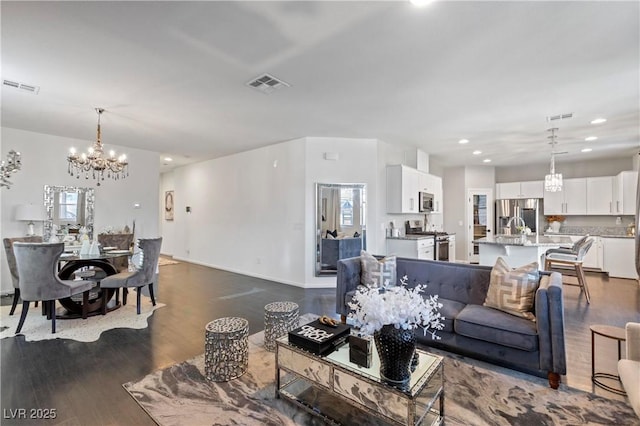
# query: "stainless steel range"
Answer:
x=441 y=252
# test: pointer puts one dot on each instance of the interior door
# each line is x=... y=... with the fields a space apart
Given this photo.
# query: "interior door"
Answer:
x=480 y=219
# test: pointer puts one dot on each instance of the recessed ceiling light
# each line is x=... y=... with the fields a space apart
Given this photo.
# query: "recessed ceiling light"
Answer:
x=591 y=138
x=477 y=152
x=486 y=160
x=168 y=159
x=598 y=121
x=420 y=3
x=463 y=141
x=586 y=150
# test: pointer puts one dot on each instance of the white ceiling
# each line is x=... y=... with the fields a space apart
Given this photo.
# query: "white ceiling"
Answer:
x=171 y=75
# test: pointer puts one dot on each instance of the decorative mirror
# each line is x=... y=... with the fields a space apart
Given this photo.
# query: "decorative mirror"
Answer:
x=68 y=208
x=340 y=224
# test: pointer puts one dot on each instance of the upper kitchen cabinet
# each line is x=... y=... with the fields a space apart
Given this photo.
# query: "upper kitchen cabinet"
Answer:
x=403 y=185
x=510 y=190
x=624 y=193
x=433 y=185
x=572 y=200
x=600 y=195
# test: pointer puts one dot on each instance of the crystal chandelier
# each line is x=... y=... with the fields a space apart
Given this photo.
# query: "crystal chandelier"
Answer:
x=553 y=181
x=11 y=165
x=95 y=163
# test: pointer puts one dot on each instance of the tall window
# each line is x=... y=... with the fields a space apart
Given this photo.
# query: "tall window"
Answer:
x=68 y=207
x=346 y=207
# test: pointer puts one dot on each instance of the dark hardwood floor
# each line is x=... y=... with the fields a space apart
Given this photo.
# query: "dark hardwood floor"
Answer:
x=82 y=381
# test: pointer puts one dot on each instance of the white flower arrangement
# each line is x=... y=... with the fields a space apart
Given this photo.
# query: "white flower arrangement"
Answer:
x=404 y=308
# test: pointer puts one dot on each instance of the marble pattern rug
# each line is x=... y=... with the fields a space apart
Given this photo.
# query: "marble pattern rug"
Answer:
x=36 y=326
x=475 y=394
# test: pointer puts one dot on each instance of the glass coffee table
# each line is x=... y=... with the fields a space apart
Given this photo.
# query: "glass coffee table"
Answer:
x=344 y=393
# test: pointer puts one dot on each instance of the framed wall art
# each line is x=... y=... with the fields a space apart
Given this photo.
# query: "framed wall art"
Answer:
x=168 y=205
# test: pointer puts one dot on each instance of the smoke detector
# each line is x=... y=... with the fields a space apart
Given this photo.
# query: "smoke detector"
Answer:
x=21 y=86
x=267 y=83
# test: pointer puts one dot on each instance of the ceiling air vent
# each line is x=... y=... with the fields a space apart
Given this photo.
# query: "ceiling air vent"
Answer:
x=22 y=86
x=560 y=117
x=267 y=83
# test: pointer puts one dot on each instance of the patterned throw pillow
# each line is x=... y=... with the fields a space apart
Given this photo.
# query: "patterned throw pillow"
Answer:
x=513 y=290
x=377 y=273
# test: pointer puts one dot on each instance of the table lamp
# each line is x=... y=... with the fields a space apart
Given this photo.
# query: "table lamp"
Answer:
x=29 y=213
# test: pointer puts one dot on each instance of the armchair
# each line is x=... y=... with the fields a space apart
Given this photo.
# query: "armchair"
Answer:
x=629 y=368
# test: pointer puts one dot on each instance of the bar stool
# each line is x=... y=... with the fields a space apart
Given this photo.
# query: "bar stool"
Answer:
x=226 y=354
x=279 y=319
x=571 y=257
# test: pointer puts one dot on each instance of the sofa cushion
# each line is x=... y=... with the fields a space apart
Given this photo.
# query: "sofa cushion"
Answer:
x=513 y=290
x=377 y=273
x=461 y=282
x=495 y=326
x=450 y=310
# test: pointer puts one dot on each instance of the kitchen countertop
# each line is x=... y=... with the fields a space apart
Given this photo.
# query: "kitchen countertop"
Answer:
x=411 y=237
x=531 y=240
x=560 y=234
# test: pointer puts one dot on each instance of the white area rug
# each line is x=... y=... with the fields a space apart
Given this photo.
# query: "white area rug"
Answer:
x=37 y=327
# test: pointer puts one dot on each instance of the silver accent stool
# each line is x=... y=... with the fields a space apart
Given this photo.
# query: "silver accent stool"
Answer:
x=226 y=353
x=279 y=319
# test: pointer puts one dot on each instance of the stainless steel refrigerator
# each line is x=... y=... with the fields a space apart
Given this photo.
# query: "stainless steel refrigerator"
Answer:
x=528 y=209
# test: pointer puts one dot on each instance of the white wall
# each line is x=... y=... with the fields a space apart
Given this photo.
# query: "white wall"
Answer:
x=357 y=160
x=456 y=183
x=455 y=207
x=256 y=219
x=577 y=169
x=247 y=212
x=44 y=163
x=167 y=227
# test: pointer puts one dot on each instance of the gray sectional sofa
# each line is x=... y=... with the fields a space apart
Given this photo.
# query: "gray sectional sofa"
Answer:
x=474 y=330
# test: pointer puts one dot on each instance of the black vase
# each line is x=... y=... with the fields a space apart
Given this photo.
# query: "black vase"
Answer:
x=395 y=348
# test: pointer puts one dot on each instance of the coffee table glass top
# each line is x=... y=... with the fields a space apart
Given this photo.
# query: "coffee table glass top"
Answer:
x=427 y=365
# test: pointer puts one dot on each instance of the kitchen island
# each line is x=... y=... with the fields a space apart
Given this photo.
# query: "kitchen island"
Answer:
x=518 y=250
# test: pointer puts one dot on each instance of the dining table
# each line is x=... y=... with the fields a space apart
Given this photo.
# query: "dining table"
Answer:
x=91 y=267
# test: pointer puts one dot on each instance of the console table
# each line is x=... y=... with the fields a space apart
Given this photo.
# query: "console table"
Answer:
x=339 y=391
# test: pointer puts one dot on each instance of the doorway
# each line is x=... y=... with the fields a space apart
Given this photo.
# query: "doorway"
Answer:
x=480 y=210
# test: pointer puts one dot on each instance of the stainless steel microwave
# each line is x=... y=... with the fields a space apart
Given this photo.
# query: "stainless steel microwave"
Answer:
x=426 y=202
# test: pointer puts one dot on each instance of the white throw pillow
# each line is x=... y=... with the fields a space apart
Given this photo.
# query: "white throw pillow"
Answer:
x=377 y=273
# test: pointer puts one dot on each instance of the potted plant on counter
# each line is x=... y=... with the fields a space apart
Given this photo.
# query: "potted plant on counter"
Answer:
x=555 y=222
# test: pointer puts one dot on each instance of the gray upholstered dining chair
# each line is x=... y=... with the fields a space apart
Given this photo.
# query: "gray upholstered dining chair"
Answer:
x=144 y=275
x=13 y=269
x=121 y=242
x=37 y=265
x=573 y=259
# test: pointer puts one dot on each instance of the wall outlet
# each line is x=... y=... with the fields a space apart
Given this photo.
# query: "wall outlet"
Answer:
x=258 y=261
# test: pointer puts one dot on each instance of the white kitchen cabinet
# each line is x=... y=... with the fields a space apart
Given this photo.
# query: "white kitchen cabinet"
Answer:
x=624 y=193
x=600 y=195
x=511 y=190
x=618 y=257
x=433 y=185
x=507 y=190
x=572 y=200
x=403 y=185
x=422 y=248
